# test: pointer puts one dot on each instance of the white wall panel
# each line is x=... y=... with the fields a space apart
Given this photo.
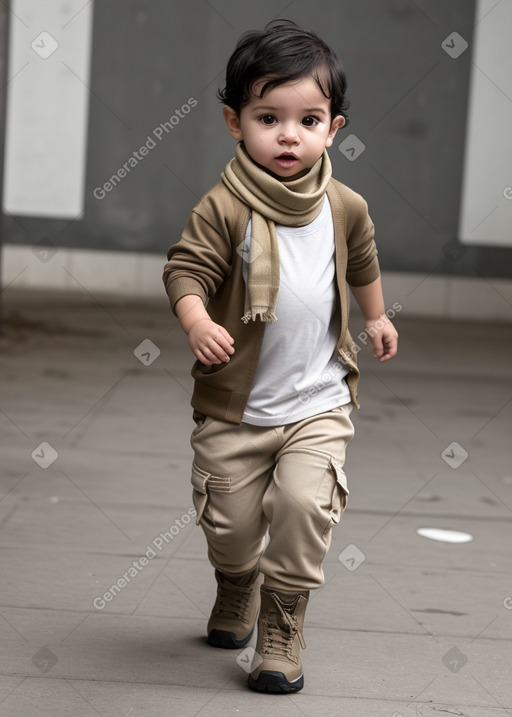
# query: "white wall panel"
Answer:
x=47 y=107
x=486 y=208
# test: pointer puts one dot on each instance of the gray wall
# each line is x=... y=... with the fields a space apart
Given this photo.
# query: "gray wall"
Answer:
x=408 y=106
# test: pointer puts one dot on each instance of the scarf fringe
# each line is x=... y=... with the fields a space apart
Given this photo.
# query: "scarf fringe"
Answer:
x=265 y=315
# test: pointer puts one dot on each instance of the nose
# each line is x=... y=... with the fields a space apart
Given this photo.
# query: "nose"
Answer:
x=289 y=134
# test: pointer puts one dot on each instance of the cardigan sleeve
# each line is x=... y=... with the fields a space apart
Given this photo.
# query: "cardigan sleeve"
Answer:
x=200 y=262
x=362 y=266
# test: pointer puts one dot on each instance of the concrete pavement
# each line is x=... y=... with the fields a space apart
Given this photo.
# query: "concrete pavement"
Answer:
x=105 y=586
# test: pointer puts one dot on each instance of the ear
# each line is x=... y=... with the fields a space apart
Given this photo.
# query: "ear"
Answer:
x=337 y=123
x=233 y=122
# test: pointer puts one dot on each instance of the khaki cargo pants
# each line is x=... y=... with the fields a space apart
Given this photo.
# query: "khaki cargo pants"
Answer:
x=287 y=481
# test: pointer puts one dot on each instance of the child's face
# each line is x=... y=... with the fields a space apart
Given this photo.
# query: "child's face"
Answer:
x=288 y=129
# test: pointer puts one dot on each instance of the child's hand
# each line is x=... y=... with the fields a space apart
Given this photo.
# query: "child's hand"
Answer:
x=210 y=342
x=384 y=338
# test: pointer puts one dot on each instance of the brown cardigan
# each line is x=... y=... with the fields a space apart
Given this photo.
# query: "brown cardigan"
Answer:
x=206 y=262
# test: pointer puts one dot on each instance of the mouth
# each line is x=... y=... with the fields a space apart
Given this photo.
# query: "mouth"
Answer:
x=286 y=160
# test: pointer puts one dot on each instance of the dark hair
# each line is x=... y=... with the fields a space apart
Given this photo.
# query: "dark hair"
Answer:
x=284 y=52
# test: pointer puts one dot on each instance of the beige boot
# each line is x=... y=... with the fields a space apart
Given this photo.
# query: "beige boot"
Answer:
x=278 y=667
x=234 y=614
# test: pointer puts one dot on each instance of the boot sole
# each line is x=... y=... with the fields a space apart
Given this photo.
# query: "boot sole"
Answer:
x=275 y=683
x=227 y=640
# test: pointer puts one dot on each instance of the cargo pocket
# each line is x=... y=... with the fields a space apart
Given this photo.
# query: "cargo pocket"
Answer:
x=203 y=483
x=200 y=490
x=340 y=492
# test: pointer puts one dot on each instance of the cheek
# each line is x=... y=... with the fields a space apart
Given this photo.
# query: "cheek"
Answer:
x=257 y=139
x=317 y=142
x=252 y=133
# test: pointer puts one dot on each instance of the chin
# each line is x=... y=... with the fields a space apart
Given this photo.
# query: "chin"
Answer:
x=296 y=175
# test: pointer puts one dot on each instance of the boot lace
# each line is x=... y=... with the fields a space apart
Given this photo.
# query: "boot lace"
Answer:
x=233 y=602
x=280 y=630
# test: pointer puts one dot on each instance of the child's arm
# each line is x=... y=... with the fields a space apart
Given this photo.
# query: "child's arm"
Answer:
x=382 y=333
x=210 y=342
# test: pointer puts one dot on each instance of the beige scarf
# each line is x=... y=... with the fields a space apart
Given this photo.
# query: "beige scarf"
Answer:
x=273 y=201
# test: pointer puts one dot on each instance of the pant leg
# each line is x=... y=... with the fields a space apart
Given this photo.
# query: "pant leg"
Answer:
x=231 y=469
x=305 y=499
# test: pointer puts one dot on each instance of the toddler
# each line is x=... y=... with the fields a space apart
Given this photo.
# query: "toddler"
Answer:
x=259 y=282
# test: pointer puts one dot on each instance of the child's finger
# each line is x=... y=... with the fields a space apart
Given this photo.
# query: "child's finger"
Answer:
x=377 y=346
x=226 y=335
x=219 y=348
x=225 y=343
x=390 y=347
x=221 y=354
x=201 y=357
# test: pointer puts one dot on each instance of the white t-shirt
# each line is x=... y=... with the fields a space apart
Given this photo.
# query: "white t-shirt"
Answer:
x=299 y=374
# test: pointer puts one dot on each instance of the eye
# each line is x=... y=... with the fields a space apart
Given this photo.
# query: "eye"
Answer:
x=310 y=121
x=267 y=119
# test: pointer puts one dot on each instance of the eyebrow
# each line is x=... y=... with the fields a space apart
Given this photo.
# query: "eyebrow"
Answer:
x=308 y=110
